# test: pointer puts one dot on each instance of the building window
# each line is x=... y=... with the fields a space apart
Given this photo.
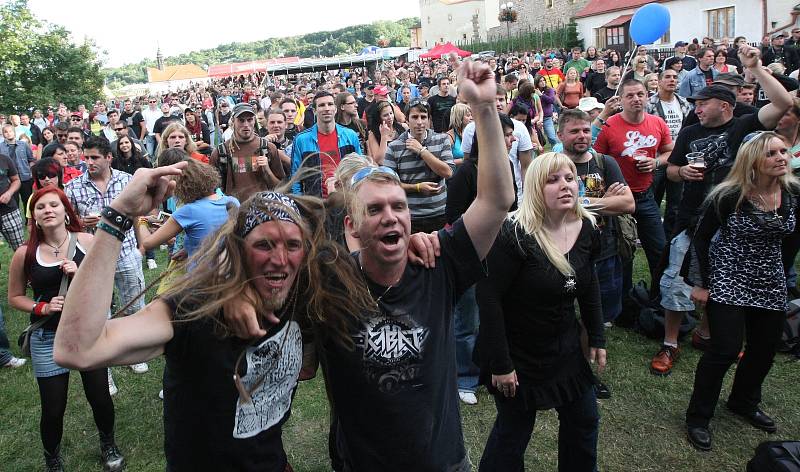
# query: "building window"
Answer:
x=464 y=36
x=615 y=36
x=599 y=38
x=720 y=22
x=429 y=20
x=449 y=17
x=548 y=3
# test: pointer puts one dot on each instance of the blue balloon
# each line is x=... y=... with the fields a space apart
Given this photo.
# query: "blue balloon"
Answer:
x=649 y=23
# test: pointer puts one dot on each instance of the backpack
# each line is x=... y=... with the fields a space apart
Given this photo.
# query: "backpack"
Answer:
x=224 y=163
x=649 y=319
x=627 y=234
x=776 y=456
x=790 y=339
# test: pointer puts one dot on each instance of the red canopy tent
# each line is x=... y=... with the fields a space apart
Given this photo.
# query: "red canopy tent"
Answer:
x=443 y=50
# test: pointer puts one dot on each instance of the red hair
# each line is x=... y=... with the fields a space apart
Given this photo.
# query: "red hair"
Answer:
x=36 y=235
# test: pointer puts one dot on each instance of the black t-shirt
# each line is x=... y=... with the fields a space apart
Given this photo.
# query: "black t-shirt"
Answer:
x=604 y=94
x=709 y=76
x=395 y=394
x=162 y=123
x=440 y=112
x=134 y=120
x=130 y=165
x=362 y=104
x=719 y=146
x=7 y=170
x=594 y=182
x=595 y=82
x=207 y=426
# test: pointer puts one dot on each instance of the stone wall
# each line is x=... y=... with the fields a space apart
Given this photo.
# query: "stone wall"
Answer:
x=533 y=14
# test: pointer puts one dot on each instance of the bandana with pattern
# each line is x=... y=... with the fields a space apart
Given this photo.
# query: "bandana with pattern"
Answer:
x=276 y=205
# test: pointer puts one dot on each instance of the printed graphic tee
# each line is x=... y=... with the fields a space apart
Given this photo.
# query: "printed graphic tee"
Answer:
x=395 y=394
x=207 y=425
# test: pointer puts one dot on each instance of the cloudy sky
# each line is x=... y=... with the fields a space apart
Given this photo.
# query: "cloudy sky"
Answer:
x=131 y=31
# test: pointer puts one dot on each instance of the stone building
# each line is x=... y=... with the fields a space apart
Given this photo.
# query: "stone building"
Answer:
x=456 y=20
x=535 y=14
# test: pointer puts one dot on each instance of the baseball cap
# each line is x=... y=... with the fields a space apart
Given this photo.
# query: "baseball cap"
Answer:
x=77 y=113
x=720 y=92
x=681 y=44
x=588 y=104
x=381 y=90
x=779 y=35
x=241 y=108
x=729 y=78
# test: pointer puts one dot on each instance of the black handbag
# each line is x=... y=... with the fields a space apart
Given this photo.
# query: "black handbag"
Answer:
x=776 y=456
x=24 y=340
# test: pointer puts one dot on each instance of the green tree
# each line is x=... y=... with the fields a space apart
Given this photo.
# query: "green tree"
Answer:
x=40 y=66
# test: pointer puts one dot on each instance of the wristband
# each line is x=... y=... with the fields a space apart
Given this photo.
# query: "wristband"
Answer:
x=116 y=218
x=111 y=230
x=417 y=188
x=602 y=121
x=38 y=309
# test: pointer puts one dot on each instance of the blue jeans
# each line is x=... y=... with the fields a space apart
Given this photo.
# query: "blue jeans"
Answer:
x=609 y=277
x=5 y=353
x=651 y=235
x=129 y=281
x=550 y=130
x=150 y=144
x=465 y=323
x=579 y=422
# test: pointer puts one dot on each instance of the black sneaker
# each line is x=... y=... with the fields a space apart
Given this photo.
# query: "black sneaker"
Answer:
x=54 y=462
x=113 y=461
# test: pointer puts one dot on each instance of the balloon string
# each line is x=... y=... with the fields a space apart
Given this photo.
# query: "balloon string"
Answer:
x=625 y=70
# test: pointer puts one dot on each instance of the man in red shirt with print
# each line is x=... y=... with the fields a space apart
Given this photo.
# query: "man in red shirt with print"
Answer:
x=640 y=143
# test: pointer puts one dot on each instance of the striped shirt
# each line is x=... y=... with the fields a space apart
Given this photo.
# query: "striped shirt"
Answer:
x=412 y=170
x=86 y=197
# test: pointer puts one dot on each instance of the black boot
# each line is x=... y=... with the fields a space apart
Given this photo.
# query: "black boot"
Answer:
x=112 y=458
x=53 y=461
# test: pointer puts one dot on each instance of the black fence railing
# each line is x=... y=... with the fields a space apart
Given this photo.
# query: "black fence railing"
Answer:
x=561 y=35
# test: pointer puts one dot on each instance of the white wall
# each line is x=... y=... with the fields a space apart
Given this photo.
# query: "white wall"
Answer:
x=442 y=22
x=688 y=19
x=778 y=13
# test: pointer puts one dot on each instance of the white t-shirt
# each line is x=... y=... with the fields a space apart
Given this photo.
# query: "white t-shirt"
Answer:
x=522 y=143
x=673 y=115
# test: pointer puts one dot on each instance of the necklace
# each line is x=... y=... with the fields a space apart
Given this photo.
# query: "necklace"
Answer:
x=774 y=210
x=387 y=288
x=56 y=251
x=569 y=283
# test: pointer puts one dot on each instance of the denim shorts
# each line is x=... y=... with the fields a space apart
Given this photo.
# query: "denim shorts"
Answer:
x=675 y=292
x=42 y=354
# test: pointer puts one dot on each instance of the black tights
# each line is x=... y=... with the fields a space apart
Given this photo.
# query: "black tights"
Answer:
x=53 y=394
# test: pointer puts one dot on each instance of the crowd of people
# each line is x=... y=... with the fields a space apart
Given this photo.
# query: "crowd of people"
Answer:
x=415 y=231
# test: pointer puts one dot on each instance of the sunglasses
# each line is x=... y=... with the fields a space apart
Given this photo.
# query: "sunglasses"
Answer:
x=118 y=129
x=47 y=175
x=75 y=118
x=367 y=171
x=752 y=136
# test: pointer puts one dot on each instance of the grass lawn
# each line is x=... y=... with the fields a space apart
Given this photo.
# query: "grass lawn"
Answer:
x=641 y=426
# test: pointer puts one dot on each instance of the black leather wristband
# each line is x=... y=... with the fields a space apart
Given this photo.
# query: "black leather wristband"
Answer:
x=122 y=222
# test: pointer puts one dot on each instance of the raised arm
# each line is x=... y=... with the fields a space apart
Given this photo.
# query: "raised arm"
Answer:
x=780 y=99
x=495 y=185
x=85 y=338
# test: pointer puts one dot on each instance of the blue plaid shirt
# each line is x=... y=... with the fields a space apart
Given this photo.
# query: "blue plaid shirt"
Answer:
x=86 y=197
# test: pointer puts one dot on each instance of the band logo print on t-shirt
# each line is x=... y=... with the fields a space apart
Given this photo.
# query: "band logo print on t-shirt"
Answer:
x=635 y=141
x=716 y=151
x=392 y=350
x=276 y=364
x=243 y=165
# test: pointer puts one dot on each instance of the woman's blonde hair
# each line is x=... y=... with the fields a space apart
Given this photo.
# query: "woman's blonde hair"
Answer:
x=745 y=170
x=190 y=146
x=457 y=114
x=530 y=216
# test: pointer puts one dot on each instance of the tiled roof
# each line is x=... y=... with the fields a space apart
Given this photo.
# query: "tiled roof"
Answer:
x=597 y=7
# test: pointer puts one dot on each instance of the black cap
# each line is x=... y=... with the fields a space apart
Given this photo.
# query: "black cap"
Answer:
x=681 y=43
x=729 y=78
x=719 y=92
x=243 y=108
